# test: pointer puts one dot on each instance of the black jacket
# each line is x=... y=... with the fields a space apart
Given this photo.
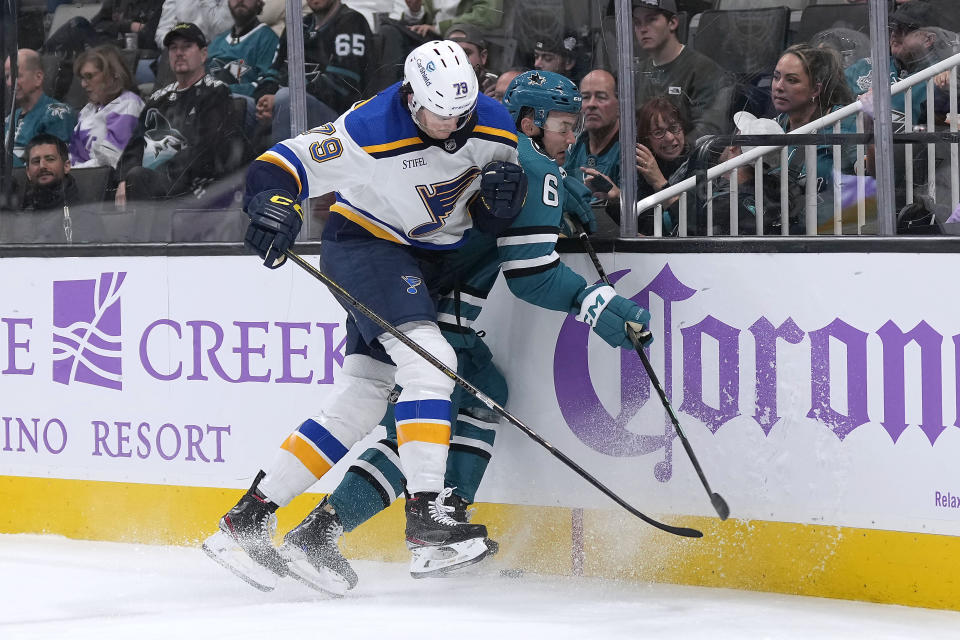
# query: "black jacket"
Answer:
x=46 y=198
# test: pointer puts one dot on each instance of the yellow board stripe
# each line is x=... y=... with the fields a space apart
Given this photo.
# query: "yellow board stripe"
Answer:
x=366 y=223
x=306 y=453
x=895 y=567
x=274 y=159
x=435 y=432
x=493 y=131
x=389 y=146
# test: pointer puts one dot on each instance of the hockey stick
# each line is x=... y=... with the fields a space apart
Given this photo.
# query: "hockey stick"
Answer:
x=343 y=294
x=719 y=504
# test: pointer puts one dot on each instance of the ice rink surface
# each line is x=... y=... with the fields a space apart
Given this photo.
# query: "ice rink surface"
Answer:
x=53 y=588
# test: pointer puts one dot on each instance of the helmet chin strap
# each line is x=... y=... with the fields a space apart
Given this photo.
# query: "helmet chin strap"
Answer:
x=537 y=141
x=414 y=107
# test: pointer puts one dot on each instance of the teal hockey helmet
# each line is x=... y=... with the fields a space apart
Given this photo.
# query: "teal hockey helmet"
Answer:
x=542 y=91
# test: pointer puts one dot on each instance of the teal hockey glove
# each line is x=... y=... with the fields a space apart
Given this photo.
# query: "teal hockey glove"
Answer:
x=608 y=313
x=576 y=201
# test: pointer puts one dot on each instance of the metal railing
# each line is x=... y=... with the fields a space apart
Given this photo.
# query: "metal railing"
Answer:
x=681 y=190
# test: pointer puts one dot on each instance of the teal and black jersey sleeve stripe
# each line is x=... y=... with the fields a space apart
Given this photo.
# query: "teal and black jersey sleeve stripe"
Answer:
x=533 y=269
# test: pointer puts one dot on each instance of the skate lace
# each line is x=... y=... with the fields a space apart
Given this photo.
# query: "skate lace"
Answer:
x=440 y=511
x=333 y=532
x=268 y=526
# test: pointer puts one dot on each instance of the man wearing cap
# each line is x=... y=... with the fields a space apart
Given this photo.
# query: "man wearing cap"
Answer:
x=471 y=39
x=672 y=69
x=185 y=138
x=556 y=54
x=913 y=47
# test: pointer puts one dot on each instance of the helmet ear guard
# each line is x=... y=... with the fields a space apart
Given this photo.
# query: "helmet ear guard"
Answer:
x=441 y=79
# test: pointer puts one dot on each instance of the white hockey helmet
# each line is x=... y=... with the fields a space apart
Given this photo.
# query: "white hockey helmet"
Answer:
x=442 y=80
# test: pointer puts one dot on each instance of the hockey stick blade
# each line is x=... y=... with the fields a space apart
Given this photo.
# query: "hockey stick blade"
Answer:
x=347 y=297
x=719 y=504
x=637 y=334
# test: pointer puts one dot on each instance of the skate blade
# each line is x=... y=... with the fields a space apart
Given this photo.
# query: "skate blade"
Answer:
x=224 y=550
x=434 y=562
x=300 y=568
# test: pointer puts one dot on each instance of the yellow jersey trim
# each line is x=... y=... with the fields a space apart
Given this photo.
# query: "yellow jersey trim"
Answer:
x=366 y=223
x=390 y=146
x=493 y=131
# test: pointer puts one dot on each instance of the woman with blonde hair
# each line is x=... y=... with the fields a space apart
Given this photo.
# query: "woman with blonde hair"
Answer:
x=808 y=83
x=108 y=120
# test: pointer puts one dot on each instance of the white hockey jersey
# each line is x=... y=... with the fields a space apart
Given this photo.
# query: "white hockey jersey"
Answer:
x=391 y=178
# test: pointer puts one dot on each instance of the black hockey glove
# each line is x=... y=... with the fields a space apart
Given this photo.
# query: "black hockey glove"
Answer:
x=503 y=189
x=275 y=220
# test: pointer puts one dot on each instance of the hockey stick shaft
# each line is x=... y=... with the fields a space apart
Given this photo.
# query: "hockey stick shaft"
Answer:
x=719 y=504
x=347 y=297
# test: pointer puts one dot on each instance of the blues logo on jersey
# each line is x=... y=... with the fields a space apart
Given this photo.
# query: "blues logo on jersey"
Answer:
x=413 y=282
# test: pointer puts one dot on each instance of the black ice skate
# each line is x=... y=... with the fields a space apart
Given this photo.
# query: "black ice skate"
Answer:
x=244 y=542
x=462 y=514
x=440 y=536
x=313 y=556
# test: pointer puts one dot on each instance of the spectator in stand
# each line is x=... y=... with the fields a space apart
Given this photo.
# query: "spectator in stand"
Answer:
x=662 y=146
x=35 y=111
x=748 y=124
x=503 y=81
x=336 y=42
x=115 y=19
x=43 y=214
x=913 y=40
x=808 y=83
x=49 y=183
x=241 y=55
x=594 y=158
x=211 y=17
x=414 y=22
x=556 y=54
x=661 y=156
x=703 y=89
x=183 y=137
x=475 y=46
x=107 y=122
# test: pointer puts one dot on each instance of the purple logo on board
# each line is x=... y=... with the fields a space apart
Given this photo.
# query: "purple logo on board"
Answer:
x=590 y=421
x=578 y=401
x=86 y=331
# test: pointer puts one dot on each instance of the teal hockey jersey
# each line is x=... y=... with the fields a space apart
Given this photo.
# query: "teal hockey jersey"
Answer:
x=526 y=253
x=241 y=61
